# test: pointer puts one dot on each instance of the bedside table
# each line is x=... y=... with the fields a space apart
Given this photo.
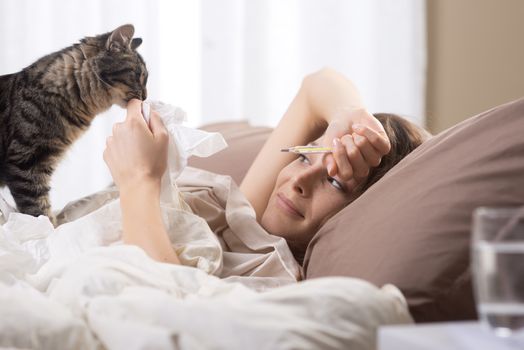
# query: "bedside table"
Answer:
x=445 y=336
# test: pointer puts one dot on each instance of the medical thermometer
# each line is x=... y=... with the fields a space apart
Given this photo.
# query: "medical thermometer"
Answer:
x=307 y=149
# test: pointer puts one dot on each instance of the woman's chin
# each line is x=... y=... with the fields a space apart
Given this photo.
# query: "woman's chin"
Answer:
x=275 y=223
x=269 y=223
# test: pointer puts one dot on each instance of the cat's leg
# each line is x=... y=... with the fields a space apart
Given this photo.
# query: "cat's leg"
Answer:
x=30 y=190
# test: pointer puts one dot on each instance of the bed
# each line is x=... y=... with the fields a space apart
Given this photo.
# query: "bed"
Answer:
x=77 y=286
x=399 y=254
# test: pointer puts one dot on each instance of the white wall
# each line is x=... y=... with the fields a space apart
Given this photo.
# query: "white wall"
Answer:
x=255 y=53
x=228 y=59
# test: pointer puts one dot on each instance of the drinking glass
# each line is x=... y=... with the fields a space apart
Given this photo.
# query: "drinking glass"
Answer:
x=498 y=268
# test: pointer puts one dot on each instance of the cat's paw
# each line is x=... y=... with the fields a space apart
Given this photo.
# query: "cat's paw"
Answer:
x=53 y=220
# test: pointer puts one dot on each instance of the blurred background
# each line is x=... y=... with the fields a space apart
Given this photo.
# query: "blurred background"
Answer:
x=436 y=62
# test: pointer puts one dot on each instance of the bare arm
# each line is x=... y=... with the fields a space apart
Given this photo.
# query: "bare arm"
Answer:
x=142 y=222
x=137 y=158
x=325 y=98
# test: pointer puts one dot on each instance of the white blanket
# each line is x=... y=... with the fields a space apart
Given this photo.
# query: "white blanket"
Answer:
x=118 y=298
x=78 y=287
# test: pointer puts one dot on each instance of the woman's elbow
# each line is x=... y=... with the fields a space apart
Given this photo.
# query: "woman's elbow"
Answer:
x=324 y=74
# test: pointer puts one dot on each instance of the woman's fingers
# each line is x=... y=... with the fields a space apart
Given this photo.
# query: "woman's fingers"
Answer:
x=344 y=169
x=134 y=116
x=330 y=164
x=372 y=144
x=377 y=139
x=157 y=126
x=370 y=155
x=355 y=157
x=134 y=109
x=349 y=160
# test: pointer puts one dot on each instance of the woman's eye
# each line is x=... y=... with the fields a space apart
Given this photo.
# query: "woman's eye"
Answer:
x=303 y=159
x=336 y=184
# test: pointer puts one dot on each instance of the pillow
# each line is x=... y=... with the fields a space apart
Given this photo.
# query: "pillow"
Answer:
x=244 y=140
x=412 y=228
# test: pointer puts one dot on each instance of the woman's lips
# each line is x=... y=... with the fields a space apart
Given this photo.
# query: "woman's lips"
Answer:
x=287 y=205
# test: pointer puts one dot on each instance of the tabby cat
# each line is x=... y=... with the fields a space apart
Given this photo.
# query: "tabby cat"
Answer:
x=45 y=107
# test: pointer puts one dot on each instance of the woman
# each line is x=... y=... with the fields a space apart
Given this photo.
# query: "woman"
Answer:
x=292 y=197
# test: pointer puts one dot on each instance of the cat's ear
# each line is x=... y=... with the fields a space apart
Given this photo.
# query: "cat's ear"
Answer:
x=120 y=38
x=136 y=43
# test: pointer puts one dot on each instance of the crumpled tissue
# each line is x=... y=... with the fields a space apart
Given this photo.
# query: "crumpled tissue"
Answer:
x=183 y=143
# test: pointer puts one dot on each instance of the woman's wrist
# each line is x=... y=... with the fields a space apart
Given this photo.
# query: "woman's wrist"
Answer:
x=139 y=187
x=142 y=221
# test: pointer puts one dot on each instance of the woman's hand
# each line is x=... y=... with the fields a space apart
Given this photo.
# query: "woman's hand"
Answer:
x=137 y=158
x=135 y=153
x=359 y=142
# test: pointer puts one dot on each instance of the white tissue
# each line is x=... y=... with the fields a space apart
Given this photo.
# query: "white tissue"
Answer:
x=183 y=143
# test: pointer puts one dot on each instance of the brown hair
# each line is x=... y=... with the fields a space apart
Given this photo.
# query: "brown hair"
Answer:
x=404 y=137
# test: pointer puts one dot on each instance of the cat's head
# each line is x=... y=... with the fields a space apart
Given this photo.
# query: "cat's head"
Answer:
x=117 y=63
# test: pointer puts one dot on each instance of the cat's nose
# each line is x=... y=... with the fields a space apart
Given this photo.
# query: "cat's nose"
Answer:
x=144 y=94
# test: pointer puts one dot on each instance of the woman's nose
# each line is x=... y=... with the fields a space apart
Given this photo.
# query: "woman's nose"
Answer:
x=299 y=188
x=304 y=181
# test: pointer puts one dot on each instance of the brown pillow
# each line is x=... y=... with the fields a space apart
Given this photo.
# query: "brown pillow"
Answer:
x=244 y=143
x=412 y=228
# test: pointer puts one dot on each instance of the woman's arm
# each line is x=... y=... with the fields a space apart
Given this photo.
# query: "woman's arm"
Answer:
x=325 y=100
x=142 y=222
x=137 y=157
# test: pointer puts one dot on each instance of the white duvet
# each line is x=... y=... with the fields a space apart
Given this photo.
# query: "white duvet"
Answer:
x=116 y=297
x=78 y=287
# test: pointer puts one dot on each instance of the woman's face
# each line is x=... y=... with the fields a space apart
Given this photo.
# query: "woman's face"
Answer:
x=303 y=199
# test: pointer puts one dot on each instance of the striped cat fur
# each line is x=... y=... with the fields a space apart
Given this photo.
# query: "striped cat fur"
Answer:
x=45 y=107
